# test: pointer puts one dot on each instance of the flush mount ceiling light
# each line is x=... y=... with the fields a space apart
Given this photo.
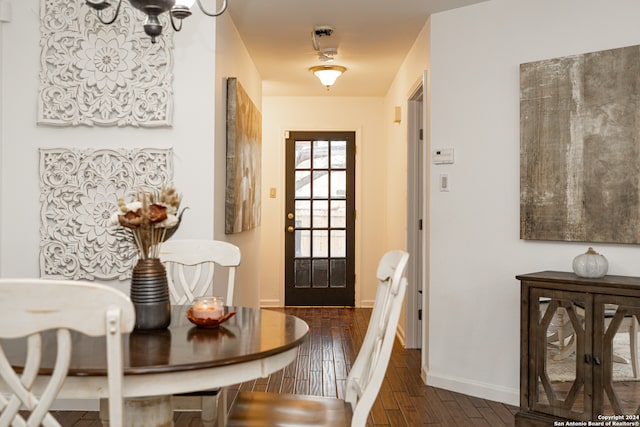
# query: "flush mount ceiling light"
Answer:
x=178 y=10
x=328 y=73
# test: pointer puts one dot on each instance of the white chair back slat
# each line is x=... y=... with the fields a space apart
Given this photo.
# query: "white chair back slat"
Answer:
x=40 y=407
x=19 y=387
x=29 y=307
x=114 y=362
x=366 y=375
x=192 y=265
x=189 y=281
x=174 y=291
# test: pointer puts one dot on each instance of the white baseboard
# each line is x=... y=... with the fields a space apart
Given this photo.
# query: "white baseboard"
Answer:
x=278 y=303
x=401 y=336
x=270 y=303
x=367 y=303
x=474 y=388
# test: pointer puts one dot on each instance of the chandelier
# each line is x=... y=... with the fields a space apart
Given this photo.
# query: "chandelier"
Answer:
x=178 y=10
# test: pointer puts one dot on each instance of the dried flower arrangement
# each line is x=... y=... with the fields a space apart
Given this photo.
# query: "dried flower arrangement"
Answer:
x=151 y=219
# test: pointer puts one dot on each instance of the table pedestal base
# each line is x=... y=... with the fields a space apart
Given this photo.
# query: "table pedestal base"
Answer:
x=154 y=411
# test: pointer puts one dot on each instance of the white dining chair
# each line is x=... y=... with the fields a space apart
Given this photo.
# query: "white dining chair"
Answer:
x=28 y=307
x=192 y=267
x=363 y=382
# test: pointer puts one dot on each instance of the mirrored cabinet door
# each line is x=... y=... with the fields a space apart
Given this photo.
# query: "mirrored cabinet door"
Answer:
x=561 y=347
x=616 y=370
x=579 y=349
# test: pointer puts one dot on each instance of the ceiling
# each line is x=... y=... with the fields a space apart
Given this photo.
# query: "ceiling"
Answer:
x=372 y=38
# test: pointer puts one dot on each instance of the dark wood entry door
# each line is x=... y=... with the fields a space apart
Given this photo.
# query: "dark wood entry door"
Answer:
x=320 y=210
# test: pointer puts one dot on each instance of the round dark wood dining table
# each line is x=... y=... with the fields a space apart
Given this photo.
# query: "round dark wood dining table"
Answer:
x=183 y=358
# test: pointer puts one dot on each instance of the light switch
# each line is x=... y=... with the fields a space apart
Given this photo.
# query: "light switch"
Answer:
x=272 y=192
x=444 y=182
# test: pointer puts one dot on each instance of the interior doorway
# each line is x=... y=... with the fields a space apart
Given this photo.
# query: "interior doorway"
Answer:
x=416 y=223
x=320 y=219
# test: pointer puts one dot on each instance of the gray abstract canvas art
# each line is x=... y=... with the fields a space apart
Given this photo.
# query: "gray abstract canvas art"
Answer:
x=580 y=147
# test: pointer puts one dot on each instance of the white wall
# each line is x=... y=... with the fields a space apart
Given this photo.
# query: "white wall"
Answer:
x=405 y=83
x=365 y=117
x=233 y=61
x=191 y=136
x=197 y=137
x=475 y=246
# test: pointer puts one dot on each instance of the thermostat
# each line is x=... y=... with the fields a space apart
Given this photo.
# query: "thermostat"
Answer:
x=442 y=156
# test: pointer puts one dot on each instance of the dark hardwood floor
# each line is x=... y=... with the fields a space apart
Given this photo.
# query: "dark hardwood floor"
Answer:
x=322 y=367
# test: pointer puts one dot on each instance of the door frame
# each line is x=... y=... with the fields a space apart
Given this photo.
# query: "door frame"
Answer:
x=416 y=327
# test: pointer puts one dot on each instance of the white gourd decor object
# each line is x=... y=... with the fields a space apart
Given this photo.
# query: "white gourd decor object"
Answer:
x=590 y=264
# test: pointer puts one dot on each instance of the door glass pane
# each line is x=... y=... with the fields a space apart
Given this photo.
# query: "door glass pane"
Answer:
x=320 y=185
x=339 y=184
x=303 y=187
x=320 y=154
x=302 y=273
x=338 y=213
x=338 y=273
x=303 y=154
x=303 y=214
x=338 y=243
x=303 y=246
x=320 y=243
x=338 y=154
x=320 y=214
x=320 y=273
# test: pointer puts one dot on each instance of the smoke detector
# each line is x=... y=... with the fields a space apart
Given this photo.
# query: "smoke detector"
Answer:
x=320 y=31
x=323 y=31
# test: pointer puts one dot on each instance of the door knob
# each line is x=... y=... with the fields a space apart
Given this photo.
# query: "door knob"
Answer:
x=290 y=229
x=290 y=215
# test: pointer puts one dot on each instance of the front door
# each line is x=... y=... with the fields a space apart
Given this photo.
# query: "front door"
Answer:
x=320 y=210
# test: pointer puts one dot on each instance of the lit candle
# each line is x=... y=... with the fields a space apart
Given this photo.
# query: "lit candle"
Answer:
x=208 y=308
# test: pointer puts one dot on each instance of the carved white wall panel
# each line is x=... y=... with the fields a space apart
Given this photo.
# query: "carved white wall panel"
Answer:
x=105 y=75
x=79 y=192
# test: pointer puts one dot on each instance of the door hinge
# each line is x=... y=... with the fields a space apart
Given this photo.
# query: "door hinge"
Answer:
x=419 y=314
x=421 y=136
x=420 y=224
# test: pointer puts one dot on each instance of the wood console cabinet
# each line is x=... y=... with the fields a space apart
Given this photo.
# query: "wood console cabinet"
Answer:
x=578 y=340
